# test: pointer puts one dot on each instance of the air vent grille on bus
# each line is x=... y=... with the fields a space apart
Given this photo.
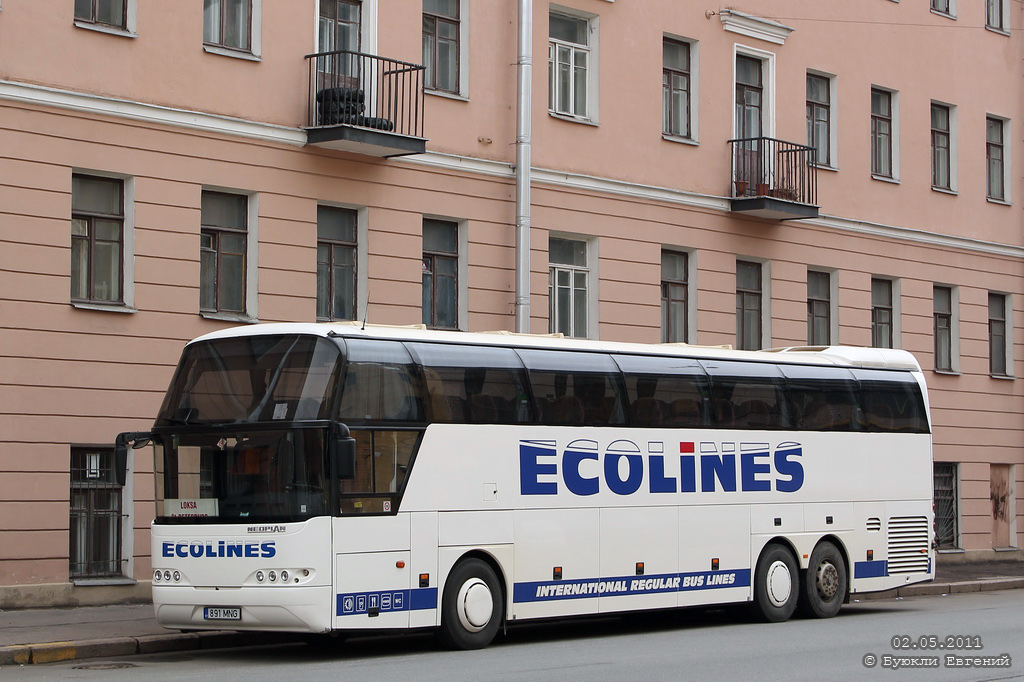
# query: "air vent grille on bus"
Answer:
x=908 y=544
x=874 y=524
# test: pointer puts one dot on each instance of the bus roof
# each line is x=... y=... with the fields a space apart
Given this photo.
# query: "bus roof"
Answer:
x=852 y=356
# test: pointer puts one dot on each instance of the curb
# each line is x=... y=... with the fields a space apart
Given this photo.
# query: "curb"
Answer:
x=942 y=588
x=55 y=652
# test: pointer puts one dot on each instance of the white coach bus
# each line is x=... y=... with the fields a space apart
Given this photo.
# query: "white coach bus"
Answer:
x=330 y=477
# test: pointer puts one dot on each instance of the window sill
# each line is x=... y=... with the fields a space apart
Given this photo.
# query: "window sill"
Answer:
x=1002 y=377
x=997 y=30
x=104 y=307
x=229 y=317
x=228 y=52
x=678 y=139
x=103 y=582
x=885 y=178
x=1000 y=202
x=572 y=119
x=945 y=190
x=945 y=15
x=109 y=30
x=458 y=97
x=951 y=550
x=947 y=372
x=831 y=169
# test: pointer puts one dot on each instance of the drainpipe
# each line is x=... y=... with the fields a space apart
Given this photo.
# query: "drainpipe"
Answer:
x=523 y=142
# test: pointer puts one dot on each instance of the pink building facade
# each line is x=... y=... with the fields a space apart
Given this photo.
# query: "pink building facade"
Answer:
x=782 y=175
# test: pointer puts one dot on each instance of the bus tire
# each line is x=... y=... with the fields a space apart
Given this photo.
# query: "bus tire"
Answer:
x=471 y=606
x=776 y=584
x=824 y=584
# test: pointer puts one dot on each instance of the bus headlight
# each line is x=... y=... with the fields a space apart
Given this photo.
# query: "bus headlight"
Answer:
x=259 y=576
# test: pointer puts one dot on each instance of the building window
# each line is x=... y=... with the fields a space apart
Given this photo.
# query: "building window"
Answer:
x=335 y=263
x=95 y=545
x=882 y=317
x=228 y=24
x=994 y=14
x=97 y=239
x=222 y=252
x=675 y=85
x=995 y=156
x=440 y=274
x=674 y=297
x=943 y=6
x=881 y=133
x=943 y=327
x=568 y=285
x=105 y=12
x=819 y=308
x=441 y=45
x=941 y=147
x=997 y=345
x=749 y=302
x=819 y=118
x=749 y=97
x=569 y=55
x=945 y=489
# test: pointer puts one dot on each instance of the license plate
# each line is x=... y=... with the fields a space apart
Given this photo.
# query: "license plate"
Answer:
x=222 y=613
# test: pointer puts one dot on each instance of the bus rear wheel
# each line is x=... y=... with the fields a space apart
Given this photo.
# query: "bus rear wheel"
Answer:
x=824 y=584
x=471 y=607
x=776 y=584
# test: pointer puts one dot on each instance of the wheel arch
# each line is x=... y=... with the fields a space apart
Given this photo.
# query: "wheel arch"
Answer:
x=492 y=561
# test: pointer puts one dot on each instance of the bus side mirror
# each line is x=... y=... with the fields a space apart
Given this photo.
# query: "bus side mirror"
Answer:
x=344 y=455
x=137 y=439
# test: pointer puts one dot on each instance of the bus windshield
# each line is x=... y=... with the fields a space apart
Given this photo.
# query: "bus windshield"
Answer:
x=250 y=379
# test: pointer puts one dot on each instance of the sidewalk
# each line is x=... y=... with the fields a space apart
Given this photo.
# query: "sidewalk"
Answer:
x=51 y=635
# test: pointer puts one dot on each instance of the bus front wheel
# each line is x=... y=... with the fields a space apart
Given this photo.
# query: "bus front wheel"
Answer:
x=471 y=607
x=776 y=584
x=824 y=587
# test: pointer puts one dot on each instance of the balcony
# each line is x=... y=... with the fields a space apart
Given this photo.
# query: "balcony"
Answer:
x=773 y=179
x=365 y=104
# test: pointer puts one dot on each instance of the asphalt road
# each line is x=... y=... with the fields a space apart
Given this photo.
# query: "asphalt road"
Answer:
x=678 y=645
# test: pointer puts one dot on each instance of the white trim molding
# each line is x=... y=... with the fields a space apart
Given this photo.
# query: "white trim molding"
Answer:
x=754 y=26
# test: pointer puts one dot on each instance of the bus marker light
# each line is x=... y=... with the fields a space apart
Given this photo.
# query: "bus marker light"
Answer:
x=871 y=555
x=399 y=564
x=556 y=574
x=424 y=580
x=639 y=568
x=714 y=564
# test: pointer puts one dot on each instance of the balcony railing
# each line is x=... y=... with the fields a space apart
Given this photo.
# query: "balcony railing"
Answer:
x=773 y=178
x=365 y=103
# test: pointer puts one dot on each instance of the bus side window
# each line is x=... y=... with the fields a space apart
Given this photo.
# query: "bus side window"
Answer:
x=664 y=391
x=380 y=385
x=891 y=401
x=575 y=389
x=748 y=395
x=473 y=384
x=821 y=398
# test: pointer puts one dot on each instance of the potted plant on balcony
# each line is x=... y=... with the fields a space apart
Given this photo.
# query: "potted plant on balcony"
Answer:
x=741 y=188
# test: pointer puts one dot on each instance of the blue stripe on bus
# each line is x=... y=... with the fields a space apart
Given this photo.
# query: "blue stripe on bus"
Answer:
x=386 y=601
x=871 y=569
x=585 y=588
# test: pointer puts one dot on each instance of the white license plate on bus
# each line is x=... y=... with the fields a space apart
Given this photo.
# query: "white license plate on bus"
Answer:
x=222 y=613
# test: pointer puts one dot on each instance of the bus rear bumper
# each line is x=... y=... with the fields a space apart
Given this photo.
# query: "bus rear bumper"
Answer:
x=299 y=609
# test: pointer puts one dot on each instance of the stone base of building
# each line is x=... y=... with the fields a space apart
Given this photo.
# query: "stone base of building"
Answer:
x=966 y=556
x=55 y=595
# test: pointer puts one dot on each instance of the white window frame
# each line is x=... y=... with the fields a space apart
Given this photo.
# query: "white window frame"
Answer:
x=894 y=132
x=1007 y=160
x=255 y=51
x=766 y=293
x=954 y=328
x=368 y=27
x=362 y=255
x=131 y=13
x=462 y=264
x=252 y=240
x=464 y=63
x=1008 y=300
x=954 y=143
x=591 y=267
x=833 y=301
x=1004 y=20
x=767 y=60
x=694 y=103
x=593 y=52
x=833 y=118
x=897 y=317
x=127 y=243
x=951 y=14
